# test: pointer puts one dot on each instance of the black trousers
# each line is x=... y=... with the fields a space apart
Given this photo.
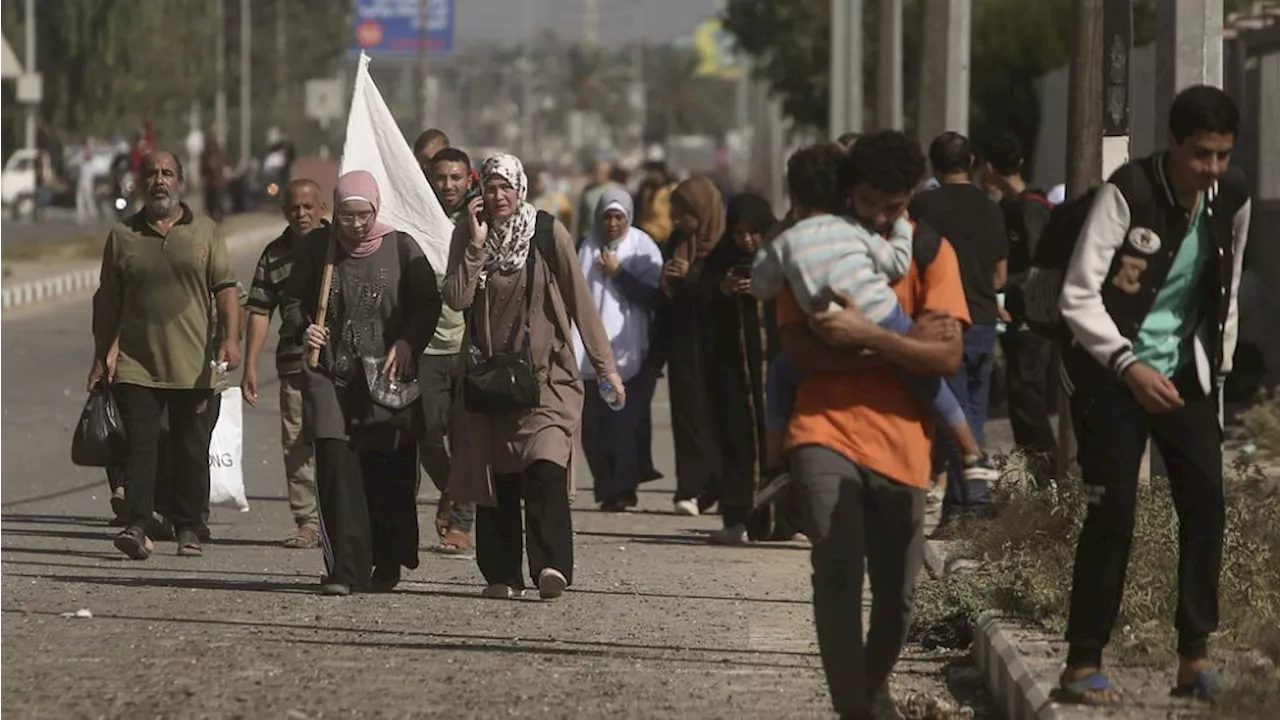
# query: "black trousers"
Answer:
x=1113 y=430
x=1030 y=366
x=185 y=493
x=547 y=531
x=693 y=430
x=612 y=440
x=368 y=509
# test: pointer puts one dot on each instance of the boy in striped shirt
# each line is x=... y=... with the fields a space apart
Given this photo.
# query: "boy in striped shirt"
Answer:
x=823 y=255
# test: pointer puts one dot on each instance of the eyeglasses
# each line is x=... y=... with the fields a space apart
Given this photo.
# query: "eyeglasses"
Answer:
x=353 y=218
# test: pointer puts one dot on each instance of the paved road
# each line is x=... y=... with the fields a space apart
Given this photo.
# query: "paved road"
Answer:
x=658 y=625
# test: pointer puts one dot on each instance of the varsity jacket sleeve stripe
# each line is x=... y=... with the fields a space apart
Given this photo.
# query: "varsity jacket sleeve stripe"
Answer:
x=1081 y=300
x=1231 y=329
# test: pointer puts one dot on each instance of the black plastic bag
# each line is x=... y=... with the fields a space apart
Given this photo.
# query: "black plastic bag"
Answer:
x=99 y=439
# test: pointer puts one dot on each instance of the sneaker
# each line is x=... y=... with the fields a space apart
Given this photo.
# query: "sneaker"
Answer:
x=551 y=584
x=731 y=535
x=498 y=591
x=980 y=469
x=687 y=508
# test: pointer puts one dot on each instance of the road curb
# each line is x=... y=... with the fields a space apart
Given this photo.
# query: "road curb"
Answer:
x=934 y=561
x=1009 y=680
x=49 y=288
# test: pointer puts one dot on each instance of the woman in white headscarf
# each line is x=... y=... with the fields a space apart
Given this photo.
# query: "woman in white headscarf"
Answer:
x=622 y=265
x=515 y=270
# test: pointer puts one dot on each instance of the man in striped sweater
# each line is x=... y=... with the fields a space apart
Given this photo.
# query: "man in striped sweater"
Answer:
x=304 y=209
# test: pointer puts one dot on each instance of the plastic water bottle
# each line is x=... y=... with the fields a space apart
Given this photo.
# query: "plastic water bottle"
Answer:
x=610 y=396
x=221 y=378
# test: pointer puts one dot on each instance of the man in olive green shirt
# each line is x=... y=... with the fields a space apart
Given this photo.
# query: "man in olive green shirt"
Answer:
x=161 y=270
x=451 y=177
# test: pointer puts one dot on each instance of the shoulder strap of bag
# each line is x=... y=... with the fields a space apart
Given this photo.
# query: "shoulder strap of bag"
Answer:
x=544 y=244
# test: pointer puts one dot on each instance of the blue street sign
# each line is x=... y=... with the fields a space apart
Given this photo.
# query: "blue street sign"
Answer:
x=381 y=27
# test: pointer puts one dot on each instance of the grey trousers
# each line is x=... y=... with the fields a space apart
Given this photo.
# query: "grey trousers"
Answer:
x=859 y=519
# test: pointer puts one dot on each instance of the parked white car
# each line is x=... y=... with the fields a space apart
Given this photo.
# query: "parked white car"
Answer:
x=18 y=181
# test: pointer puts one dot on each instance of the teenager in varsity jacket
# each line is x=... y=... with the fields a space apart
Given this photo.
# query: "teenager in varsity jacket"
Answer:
x=1150 y=300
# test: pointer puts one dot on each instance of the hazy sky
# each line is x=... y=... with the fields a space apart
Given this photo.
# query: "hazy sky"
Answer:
x=620 y=20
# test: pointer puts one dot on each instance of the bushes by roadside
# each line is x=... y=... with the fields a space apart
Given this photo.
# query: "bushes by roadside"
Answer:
x=1024 y=559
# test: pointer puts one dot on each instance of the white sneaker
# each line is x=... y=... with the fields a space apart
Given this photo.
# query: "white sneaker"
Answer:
x=688 y=508
x=732 y=535
x=498 y=591
x=551 y=584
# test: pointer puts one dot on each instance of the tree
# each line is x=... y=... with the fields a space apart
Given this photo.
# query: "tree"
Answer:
x=1015 y=42
x=791 y=45
x=109 y=65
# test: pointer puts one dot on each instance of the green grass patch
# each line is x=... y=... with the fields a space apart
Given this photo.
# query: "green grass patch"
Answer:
x=1025 y=556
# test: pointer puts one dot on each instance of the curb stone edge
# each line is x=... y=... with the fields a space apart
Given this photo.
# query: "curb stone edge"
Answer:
x=1010 y=682
x=80 y=280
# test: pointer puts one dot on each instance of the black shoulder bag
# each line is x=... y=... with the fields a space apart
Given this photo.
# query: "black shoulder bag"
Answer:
x=507 y=383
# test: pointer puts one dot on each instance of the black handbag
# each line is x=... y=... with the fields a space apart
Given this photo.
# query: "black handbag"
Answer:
x=99 y=440
x=505 y=383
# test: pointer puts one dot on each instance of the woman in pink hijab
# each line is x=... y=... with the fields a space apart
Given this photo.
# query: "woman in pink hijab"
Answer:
x=361 y=407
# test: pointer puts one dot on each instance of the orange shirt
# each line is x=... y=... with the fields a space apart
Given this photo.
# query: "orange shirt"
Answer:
x=870 y=416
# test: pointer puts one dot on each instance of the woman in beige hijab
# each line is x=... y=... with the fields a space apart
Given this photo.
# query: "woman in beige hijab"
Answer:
x=516 y=270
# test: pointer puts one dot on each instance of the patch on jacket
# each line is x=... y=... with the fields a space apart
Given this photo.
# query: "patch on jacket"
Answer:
x=1144 y=240
x=1129 y=277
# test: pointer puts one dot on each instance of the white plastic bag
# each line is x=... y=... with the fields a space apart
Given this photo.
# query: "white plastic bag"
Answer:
x=375 y=143
x=226 y=453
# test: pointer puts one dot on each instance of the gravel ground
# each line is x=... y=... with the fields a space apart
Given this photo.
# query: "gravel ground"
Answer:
x=658 y=624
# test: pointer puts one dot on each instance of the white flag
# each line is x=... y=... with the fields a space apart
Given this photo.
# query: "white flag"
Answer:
x=374 y=143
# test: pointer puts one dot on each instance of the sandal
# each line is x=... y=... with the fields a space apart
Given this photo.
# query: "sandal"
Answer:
x=455 y=542
x=1205 y=685
x=189 y=544
x=304 y=537
x=1092 y=690
x=132 y=541
x=443 y=511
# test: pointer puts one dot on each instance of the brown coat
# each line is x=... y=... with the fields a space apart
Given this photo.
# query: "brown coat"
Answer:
x=484 y=446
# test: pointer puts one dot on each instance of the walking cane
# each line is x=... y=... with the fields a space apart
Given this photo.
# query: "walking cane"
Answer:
x=322 y=305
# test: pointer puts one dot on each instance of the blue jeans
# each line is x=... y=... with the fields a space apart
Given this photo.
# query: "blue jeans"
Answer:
x=972 y=386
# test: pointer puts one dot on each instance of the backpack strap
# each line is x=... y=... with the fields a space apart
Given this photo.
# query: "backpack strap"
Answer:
x=1035 y=196
x=925 y=244
x=544 y=236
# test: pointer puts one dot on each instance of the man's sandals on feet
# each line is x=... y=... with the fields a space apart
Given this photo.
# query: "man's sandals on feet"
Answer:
x=304 y=537
x=1087 y=686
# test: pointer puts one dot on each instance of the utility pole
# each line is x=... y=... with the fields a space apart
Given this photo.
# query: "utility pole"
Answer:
x=590 y=23
x=246 y=85
x=846 y=67
x=33 y=107
x=220 y=75
x=1188 y=50
x=1117 y=48
x=424 y=64
x=282 y=65
x=839 y=70
x=944 y=68
x=1084 y=157
x=526 y=92
x=889 y=66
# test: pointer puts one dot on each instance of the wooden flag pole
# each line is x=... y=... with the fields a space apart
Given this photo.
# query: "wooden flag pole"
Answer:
x=322 y=304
